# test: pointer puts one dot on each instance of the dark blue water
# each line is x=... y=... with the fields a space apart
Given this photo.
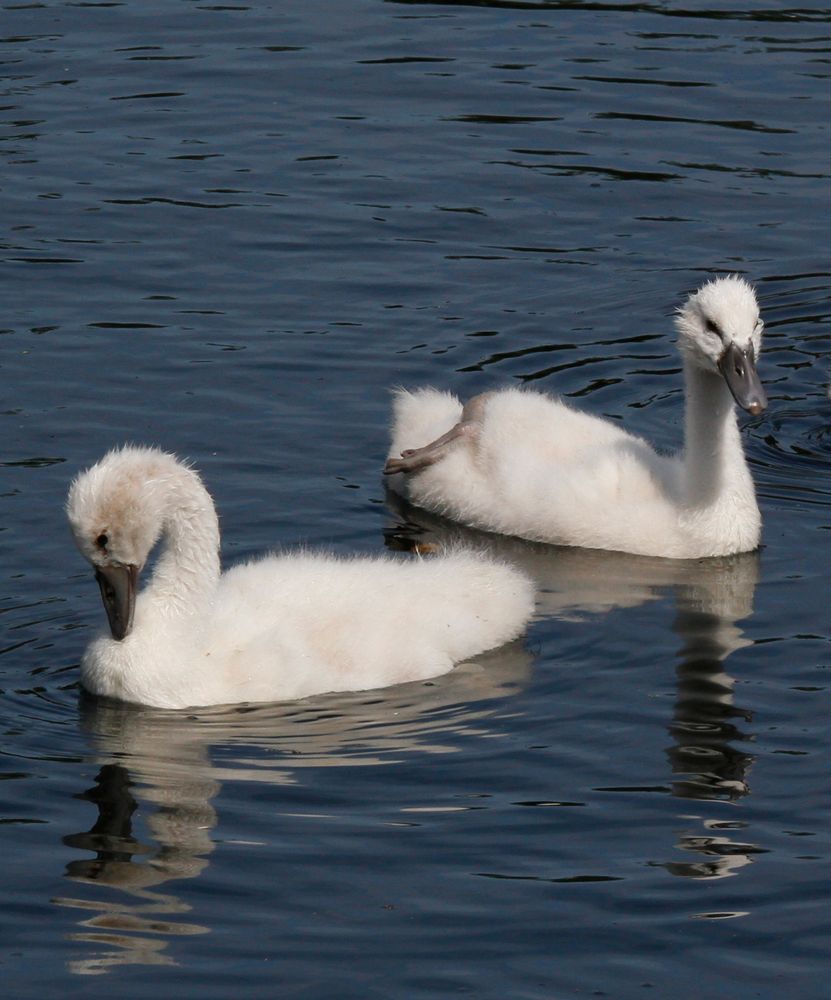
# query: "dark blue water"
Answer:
x=228 y=229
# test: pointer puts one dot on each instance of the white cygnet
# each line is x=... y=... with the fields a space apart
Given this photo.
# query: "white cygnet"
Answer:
x=523 y=463
x=283 y=627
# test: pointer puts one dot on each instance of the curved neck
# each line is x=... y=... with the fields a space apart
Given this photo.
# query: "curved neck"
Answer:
x=187 y=570
x=714 y=458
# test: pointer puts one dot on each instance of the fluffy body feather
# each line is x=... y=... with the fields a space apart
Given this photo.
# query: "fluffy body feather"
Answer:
x=522 y=463
x=283 y=627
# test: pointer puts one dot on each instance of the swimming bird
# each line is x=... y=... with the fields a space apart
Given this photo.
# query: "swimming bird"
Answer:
x=519 y=462
x=280 y=628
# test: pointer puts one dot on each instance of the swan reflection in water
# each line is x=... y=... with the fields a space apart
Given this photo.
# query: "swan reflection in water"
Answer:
x=711 y=597
x=159 y=764
x=156 y=773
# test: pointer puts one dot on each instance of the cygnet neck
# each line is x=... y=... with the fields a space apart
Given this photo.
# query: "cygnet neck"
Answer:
x=187 y=570
x=714 y=457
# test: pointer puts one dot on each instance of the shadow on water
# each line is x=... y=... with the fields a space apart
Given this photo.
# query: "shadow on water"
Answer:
x=711 y=596
x=164 y=769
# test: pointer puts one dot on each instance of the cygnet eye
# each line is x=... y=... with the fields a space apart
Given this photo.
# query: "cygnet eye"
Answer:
x=102 y=541
x=712 y=327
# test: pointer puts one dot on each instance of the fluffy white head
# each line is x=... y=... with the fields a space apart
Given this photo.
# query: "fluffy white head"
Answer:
x=117 y=508
x=722 y=313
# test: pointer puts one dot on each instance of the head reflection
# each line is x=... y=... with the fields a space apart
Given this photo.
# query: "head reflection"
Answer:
x=135 y=925
x=706 y=724
x=707 y=756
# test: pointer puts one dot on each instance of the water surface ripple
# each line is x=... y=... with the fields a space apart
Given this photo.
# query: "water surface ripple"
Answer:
x=228 y=229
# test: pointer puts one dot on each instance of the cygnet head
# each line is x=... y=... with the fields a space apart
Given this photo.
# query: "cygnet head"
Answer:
x=720 y=330
x=117 y=510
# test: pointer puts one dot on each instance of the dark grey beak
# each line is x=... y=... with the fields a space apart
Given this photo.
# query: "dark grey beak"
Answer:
x=118 y=592
x=739 y=370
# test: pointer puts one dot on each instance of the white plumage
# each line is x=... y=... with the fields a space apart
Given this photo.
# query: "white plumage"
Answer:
x=280 y=628
x=522 y=463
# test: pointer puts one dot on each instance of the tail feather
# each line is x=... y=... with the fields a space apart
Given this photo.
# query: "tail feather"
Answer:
x=487 y=602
